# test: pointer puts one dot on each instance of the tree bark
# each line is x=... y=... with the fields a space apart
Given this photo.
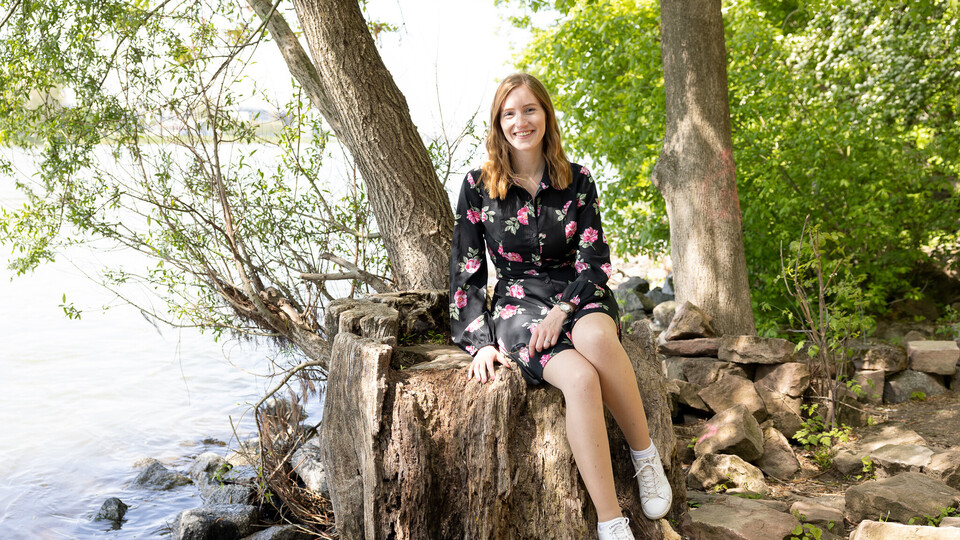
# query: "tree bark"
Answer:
x=695 y=171
x=431 y=455
x=352 y=88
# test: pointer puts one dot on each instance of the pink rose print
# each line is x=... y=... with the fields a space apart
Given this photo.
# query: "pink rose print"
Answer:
x=472 y=265
x=584 y=170
x=569 y=336
x=474 y=216
x=607 y=269
x=531 y=272
x=589 y=235
x=591 y=305
x=524 y=355
x=575 y=300
x=508 y=311
x=543 y=186
x=516 y=291
x=460 y=298
x=476 y=324
x=470 y=180
x=471 y=349
x=514 y=257
x=566 y=207
x=580 y=266
x=544 y=359
x=522 y=216
x=568 y=230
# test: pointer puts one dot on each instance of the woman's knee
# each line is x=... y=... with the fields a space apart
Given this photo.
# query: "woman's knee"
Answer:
x=596 y=334
x=572 y=374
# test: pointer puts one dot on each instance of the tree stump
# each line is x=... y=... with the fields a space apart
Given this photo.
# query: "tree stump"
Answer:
x=421 y=452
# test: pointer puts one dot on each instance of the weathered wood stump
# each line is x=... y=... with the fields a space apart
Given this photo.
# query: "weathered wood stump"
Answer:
x=421 y=452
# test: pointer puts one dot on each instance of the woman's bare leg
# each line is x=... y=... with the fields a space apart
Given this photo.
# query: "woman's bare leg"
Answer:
x=595 y=337
x=586 y=430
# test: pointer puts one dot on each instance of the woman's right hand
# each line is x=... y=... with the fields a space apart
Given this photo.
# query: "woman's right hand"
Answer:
x=482 y=367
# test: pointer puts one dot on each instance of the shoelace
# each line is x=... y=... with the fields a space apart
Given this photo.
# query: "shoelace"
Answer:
x=648 y=476
x=621 y=529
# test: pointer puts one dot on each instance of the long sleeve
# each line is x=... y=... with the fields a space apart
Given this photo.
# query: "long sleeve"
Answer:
x=470 y=323
x=592 y=263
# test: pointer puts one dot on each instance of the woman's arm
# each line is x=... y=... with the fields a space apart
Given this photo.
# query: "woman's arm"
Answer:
x=593 y=254
x=470 y=322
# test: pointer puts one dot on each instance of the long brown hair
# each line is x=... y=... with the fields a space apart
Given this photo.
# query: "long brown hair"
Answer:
x=498 y=172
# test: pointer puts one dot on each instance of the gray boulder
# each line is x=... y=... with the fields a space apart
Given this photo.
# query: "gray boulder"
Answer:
x=689 y=322
x=939 y=357
x=735 y=518
x=112 y=509
x=307 y=462
x=893 y=459
x=902 y=386
x=870 y=382
x=712 y=470
x=707 y=347
x=730 y=390
x=899 y=498
x=886 y=530
x=688 y=395
x=823 y=516
x=706 y=371
x=658 y=296
x=944 y=465
x=663 y=313
x=783 y=412
x=221 y=483
x=755 y=350
x=791 y=378
x=950 y=521
x=847 y=457
x=223 y=522
x=733 y=431
x=778 y=459
x=156 y=476
x=672 y=367
x=878 y=356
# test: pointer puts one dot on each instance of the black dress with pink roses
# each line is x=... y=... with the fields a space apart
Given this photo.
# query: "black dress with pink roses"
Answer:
x=545 y=248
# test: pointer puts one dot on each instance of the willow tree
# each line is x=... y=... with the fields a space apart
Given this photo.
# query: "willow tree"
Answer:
x=157 y=154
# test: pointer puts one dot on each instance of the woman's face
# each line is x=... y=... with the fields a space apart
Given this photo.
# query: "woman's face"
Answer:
x=523 y=120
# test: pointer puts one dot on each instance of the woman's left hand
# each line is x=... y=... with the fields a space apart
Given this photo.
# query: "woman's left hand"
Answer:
x=547 y=333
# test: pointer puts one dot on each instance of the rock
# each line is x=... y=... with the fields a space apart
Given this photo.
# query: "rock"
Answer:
x=914 y=335
x=938 y=357
x=673 y=368
x=658 y=296
x=731 y=390
x=778 y=459
x=222 y=522
x=691 y=347
x=847 y=456
x=885 y=530
x=893 y=459
x=112 y=509
x=689 y=322
x=629 y=300
x=899 y=498
x=283 y=409
x=156 y=476
x=902 y=386
x=206 y=465
x=944 y=465
x=734 y=518
x=955 y=379
x=281 y=532
x=950 y=521
x=636 y=285
x=687 y=394
x=818 y=514
x=871 y=385
x=791 y=378
x=728 y=471
x=878 y=356
x=307 y=462
x=755 y=350
x=668 y=284
x=783 y=412
x=663 y=313
x=705 y=371
x=220 y=482
x=733 y=431
x=849 y=411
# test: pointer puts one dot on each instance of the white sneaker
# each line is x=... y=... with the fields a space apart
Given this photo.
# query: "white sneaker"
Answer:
x=619 y=531
x=655 y=493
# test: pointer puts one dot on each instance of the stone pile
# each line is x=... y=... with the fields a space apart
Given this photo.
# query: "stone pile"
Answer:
x=638 y=301
x=887 y=373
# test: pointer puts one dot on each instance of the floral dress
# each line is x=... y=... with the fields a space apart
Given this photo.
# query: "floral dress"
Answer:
x=546 y=248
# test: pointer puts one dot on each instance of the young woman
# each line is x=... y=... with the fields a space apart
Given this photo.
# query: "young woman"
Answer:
x=538 y=216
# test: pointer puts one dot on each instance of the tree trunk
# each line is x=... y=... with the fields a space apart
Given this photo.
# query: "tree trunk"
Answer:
x=369 y=114
x=420 y=452
x=695 y=170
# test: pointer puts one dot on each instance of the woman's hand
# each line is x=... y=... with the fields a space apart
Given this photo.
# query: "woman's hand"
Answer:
x=483 y=364
x=547 y=333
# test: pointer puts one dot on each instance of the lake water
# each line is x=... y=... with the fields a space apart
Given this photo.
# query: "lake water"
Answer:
x=83 y=401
